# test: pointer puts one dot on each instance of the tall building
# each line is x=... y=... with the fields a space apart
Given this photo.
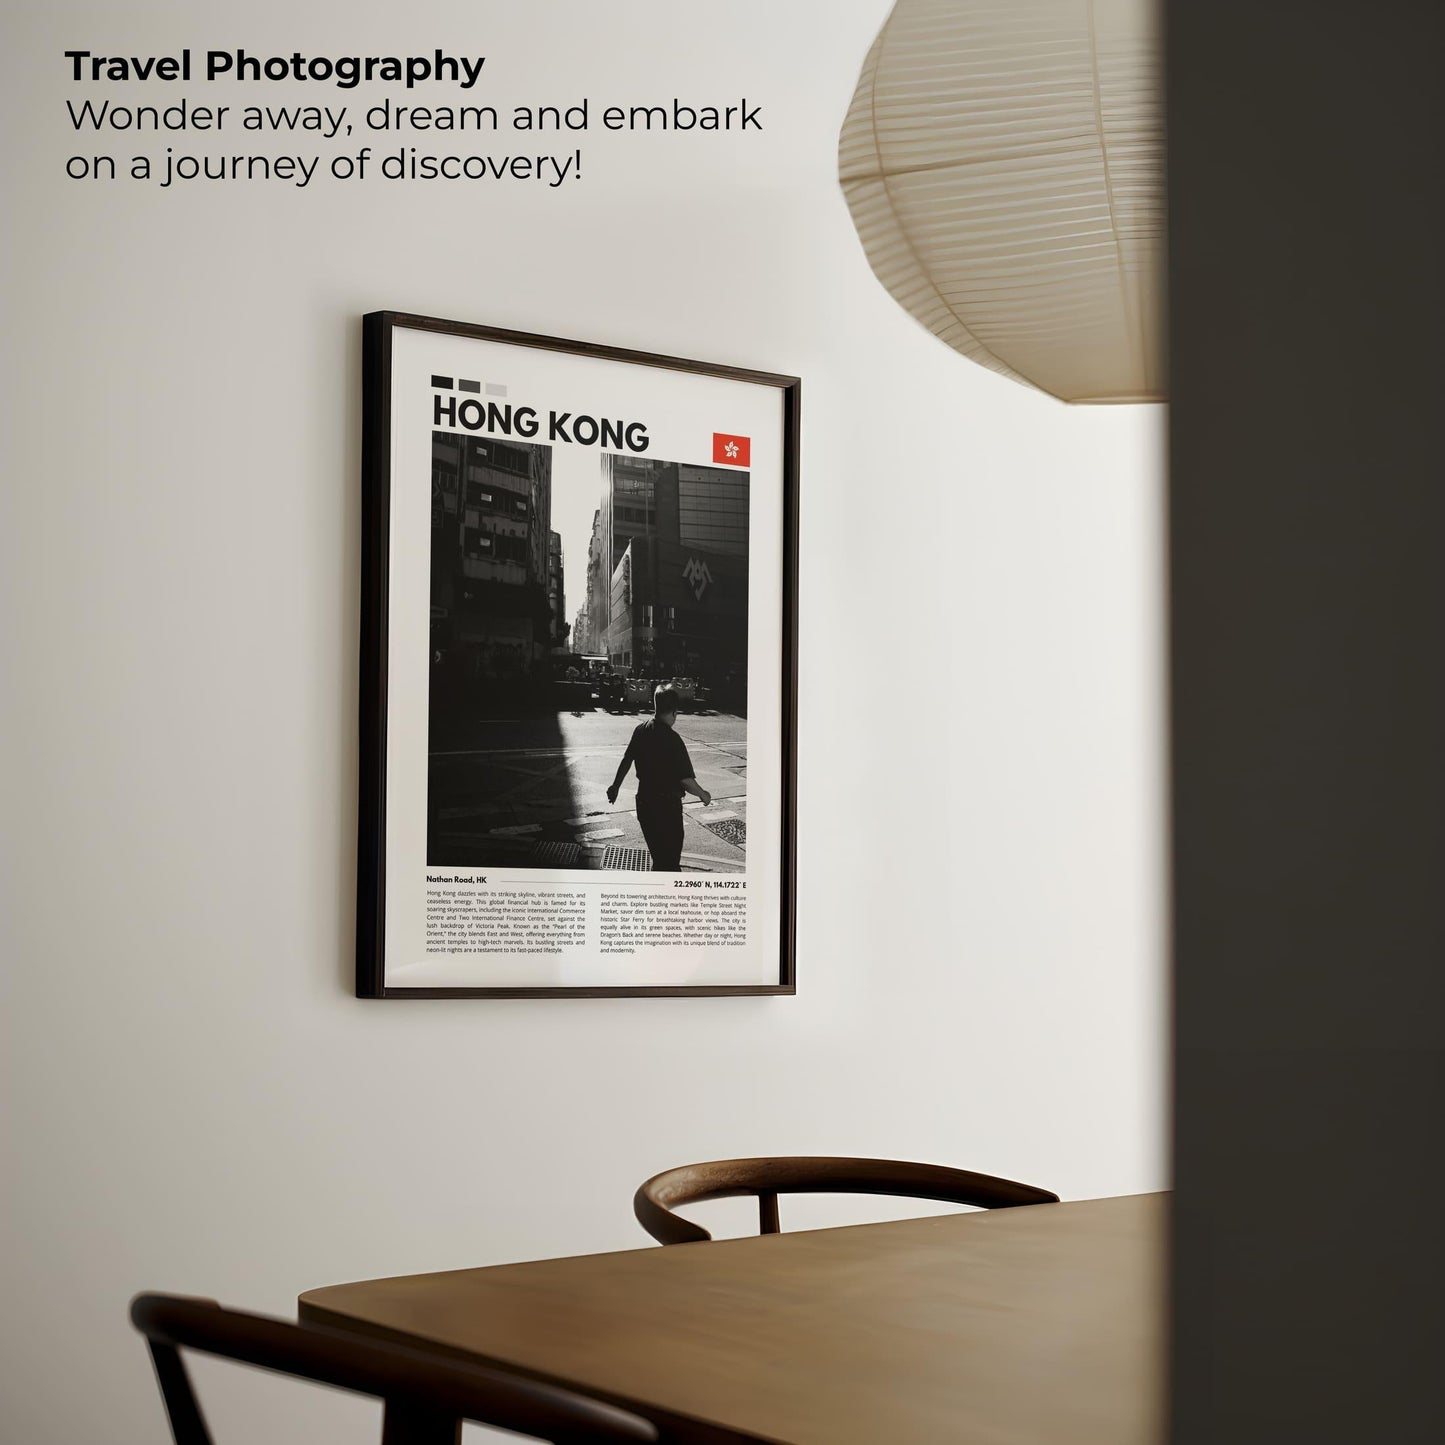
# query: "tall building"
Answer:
x=491 y=544
x=556 y=594
x=585 y=637
x=668 y=569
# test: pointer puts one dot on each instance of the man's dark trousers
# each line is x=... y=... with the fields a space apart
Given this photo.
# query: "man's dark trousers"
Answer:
x=661 y=821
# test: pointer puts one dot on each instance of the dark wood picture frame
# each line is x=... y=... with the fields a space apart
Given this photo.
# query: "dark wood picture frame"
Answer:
x=378 y=330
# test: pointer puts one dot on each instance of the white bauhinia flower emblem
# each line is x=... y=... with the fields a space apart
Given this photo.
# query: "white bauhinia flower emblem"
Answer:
x=731 y=449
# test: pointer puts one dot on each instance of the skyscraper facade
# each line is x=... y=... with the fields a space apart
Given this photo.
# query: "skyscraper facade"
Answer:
x=556 y=594
x=492 y=559
x=668 y=570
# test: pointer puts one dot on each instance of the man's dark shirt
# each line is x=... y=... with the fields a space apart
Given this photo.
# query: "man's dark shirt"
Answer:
x=661 y=758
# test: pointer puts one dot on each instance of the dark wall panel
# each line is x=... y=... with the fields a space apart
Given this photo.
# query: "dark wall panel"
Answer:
x=1308 y=625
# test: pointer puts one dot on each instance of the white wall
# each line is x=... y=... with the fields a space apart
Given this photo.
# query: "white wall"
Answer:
x=194 y=1101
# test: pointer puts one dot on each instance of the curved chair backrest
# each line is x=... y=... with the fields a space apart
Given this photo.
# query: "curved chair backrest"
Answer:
x=426 y=1397
x=767 y=1178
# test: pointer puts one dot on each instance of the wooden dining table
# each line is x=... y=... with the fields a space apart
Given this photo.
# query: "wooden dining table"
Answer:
x=1033 y=1326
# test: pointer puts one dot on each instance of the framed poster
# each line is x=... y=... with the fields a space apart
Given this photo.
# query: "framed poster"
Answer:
x=578 y=669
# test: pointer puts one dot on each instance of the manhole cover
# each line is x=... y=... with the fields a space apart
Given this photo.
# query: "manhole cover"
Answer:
x=631 y=860
x=556 y=855
x=730 y=830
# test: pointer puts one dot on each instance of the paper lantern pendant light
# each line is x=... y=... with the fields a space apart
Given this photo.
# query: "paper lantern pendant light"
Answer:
x=1003 y=161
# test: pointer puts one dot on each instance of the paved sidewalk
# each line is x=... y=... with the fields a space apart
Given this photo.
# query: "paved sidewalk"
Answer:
x=533 y=793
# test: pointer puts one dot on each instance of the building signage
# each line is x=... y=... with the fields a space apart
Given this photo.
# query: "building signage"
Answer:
x=698 y=575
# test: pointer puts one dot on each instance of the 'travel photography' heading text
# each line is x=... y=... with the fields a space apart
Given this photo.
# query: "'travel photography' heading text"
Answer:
x=345 y=71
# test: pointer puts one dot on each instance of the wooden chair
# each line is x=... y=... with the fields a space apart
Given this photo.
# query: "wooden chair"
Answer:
x=426 y=1397
x=767 y=1178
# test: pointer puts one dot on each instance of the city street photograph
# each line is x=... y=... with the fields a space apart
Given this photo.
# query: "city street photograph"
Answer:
x=588 y=667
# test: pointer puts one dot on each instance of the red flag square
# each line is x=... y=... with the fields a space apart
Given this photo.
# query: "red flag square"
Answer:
x=731 y=451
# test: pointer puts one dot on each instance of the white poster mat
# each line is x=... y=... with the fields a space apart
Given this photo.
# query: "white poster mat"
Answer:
x=681 y=411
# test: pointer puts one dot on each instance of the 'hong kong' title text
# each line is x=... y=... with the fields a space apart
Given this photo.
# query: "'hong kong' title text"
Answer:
x=473 y=414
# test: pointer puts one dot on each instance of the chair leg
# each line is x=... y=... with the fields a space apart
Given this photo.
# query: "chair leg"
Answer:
x=409 y=1425
x=768 y=1211
x=188 y=1425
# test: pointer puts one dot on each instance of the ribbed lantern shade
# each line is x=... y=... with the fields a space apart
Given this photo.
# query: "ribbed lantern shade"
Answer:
x=1003 y=160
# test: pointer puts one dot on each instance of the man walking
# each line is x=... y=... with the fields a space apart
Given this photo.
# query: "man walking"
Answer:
x=664 y=774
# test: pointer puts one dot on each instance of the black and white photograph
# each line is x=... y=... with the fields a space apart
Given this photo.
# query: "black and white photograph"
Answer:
x=579 y=668
x=588 y=662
